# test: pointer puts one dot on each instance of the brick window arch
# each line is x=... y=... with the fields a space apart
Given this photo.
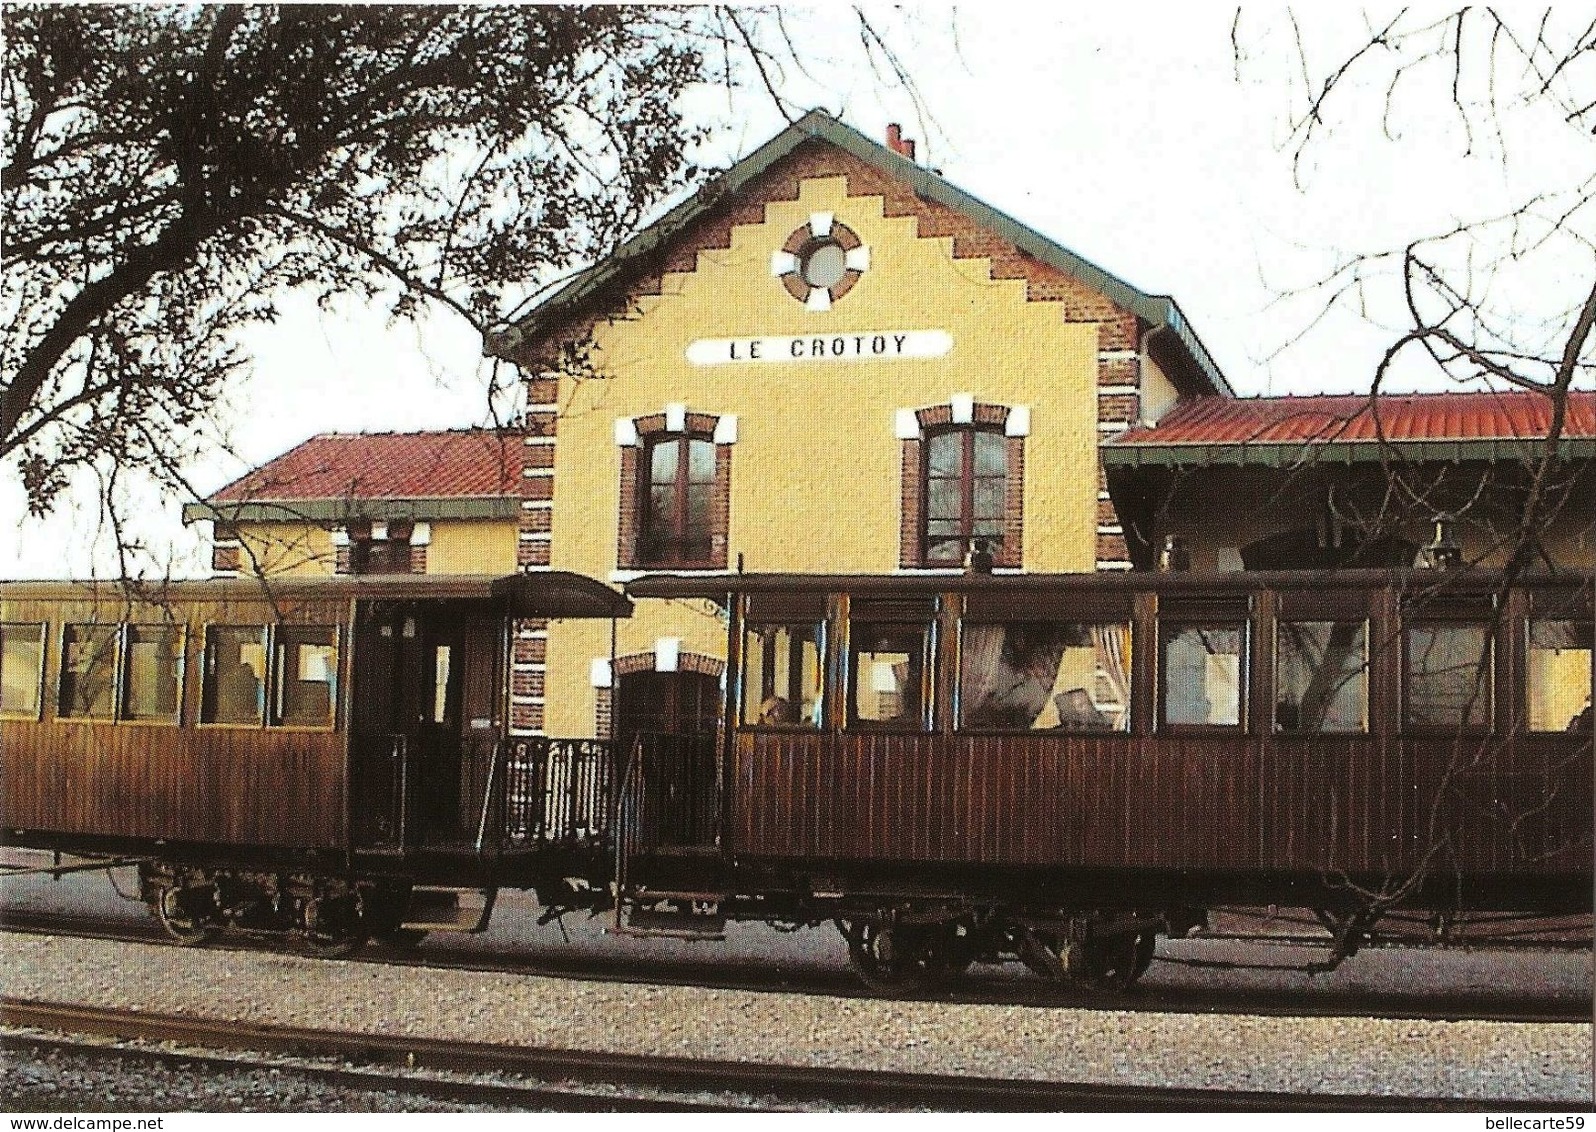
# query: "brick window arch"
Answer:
x=963 y=473
x=685 y=662
x=685 y=700
x=675 y=493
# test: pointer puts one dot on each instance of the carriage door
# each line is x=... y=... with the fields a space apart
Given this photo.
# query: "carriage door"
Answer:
x=482 y=700
x=384 y=737
x=459 y=722
x=437 y=760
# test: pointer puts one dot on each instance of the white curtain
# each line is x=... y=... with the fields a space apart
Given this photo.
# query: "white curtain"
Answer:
x=1114 y=660
x=982 y=649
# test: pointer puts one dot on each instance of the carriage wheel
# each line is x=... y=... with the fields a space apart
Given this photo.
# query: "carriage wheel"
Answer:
x=1113 y=963
x=958 y=948
x=334 y=927
x=186 y=928
x=900 y=958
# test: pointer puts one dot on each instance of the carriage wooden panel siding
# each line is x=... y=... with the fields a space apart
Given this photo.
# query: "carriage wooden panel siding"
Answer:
x=175 y=777
x=1357 y=804
x=1383 y=796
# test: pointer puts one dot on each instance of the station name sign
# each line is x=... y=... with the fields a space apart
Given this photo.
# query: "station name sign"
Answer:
x=848 y=346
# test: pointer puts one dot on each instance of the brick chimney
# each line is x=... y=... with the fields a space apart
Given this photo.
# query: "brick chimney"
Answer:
x=897 y=143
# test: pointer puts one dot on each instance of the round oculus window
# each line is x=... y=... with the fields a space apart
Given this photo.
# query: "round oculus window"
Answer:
x=820 y=261
x=823 y=263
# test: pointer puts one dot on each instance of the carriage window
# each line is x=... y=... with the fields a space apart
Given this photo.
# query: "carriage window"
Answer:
x=21 y=669
x=1322 y=677
x=888 y=675
x=782 y=675
x=1202 y=674
x=306 y=675
x=442 y=667
x=1559 y=675
x=235 y=674
x=88 y=672
x=152 y=672
x=1044 y=675
x=1448 y=675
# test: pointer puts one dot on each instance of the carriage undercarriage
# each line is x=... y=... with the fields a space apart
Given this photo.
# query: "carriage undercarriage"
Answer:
x=901 y=938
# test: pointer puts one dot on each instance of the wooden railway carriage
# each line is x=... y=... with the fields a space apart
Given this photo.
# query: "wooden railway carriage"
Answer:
x=950 y=767
x=327 y=755
x=1061 y=767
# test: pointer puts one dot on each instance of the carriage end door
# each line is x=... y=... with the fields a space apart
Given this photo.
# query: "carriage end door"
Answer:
x=383 y=735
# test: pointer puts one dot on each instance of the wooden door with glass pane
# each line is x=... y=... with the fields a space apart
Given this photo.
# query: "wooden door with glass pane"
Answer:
x=667 y=703
x=384 y=736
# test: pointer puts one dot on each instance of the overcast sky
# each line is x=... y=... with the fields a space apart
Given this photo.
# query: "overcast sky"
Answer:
x=1128 y=132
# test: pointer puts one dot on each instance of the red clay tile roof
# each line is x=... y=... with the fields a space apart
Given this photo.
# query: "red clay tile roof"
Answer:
x=1399 y=417
x=473 y=463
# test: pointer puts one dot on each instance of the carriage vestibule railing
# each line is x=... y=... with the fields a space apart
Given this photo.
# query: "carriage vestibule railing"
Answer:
x=575 y=794
x=669 y=796
x=543 y=791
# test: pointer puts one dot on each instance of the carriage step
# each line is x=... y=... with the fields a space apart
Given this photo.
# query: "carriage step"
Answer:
x=437 y=909
x=675 y=923
x=650 y=893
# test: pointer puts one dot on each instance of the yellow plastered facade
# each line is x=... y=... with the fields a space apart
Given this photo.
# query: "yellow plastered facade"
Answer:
x=286 y=549
x=304 y=549
x=816 y=474
x=472 y=548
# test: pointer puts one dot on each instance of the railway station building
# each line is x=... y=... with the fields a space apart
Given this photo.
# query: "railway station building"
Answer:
x=831 y=360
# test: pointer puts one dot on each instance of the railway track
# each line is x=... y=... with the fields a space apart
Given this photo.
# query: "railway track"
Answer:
x=450 y=1091
x=1025 y=990
x=760 y=1086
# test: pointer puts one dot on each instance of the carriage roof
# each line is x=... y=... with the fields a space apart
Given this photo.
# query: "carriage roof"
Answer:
x=717 y=587
x=545 y=594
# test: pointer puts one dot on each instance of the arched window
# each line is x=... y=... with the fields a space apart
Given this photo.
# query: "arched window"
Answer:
x=678 y=501
x=966 y=491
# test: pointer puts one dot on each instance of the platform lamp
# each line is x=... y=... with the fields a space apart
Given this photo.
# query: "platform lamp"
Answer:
x=1175 y=557
x=1444 y=552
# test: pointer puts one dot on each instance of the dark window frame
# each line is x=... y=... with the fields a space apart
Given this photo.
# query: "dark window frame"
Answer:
x=276 y=714
x=63 y=673
x=634 y=496
x=752 y=699
x=1328 y=614
x=1162 y=640
x=1486 y=622
x=921 y=721
x=208 y=676
x=124 y=688
x=1581 y=722
x=1032 y=617
x=968 y=479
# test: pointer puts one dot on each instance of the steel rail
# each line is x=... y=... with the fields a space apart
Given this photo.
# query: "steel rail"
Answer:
x=450 y=1090
x=1431 y=1007
x=869 y=1089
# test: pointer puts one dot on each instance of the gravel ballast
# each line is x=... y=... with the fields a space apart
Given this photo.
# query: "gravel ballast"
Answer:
x=1482 y=1060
